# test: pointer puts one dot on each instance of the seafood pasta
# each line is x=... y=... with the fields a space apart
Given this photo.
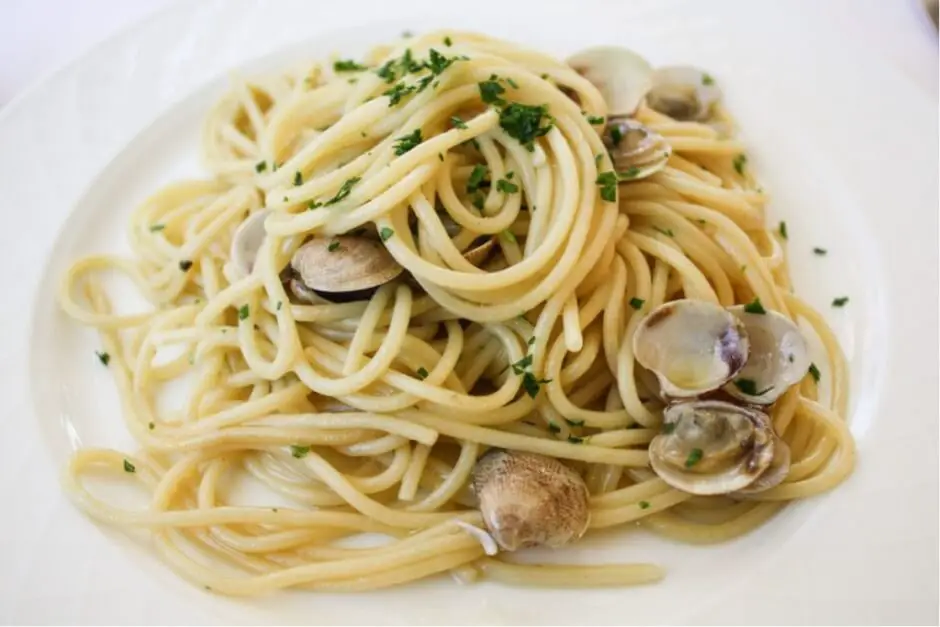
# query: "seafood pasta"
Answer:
x=451 y=301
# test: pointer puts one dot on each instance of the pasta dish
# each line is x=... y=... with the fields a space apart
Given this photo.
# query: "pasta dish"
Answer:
x=451 y=301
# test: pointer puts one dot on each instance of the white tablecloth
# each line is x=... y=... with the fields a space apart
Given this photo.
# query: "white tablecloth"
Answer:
x=36 y=36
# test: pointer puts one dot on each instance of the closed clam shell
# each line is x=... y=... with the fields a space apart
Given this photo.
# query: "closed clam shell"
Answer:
x=344 y=263
x=530 y=500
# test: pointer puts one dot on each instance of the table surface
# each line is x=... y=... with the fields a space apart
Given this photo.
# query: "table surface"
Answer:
x=37 y=36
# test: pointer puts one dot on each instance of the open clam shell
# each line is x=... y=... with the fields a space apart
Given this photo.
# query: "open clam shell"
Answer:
x=775 y=473
x=637 y=151
x=692 y=346
x=712 y=447
x=683 y=93
x=779 y=356
x=622 y=76
x=246 y=242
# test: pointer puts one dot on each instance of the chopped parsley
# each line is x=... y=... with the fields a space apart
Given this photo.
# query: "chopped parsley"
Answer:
x=820 y=251
x=448 y=41
x=299 y=451
x=631 y=173
x=749 y=387
x=456 y=122
x=573 y=439
x=531 y=341
x=783 y=230
x=243 y=312
x=666 y=232
x=755 y=307
x=533 y=385
x=344 y=190
x=637 y=303
x=422 y=373
x=333 y=247
x=695 y=456
x=738 y=163
x=151 y=426
x=129 y=467
x=616 y=135
x=157 y=227
x=608 y=183
x=387 y=71
x=814 y=372
x=553 y=428
x=437 y=62
x=261 y=166
x=103 y=357
x=644 y=504
x=298 y=179
x=669 y=427
x=506 y=187
x=347 y=65
x=396 y=93
x=520 y=366
x=840 y=302
x=386 y=233
x=476 y=178
x=477 y=200
x=279 y=305
x=490 y=92
x=509 y=236
x=185 y=265
x=575 y=423
x=314 y=204
x=595 y=119
x=524 y=122
x=707 y=79
x=512 y=83
x=407 y=142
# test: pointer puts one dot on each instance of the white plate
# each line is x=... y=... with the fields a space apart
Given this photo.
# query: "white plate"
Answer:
x=843 y=142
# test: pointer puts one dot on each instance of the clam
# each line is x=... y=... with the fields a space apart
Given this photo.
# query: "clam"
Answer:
x=529 y=500
x=776 y=472
x=637 y=152
x=622 y=76
x=246 y=242
x=683 y=93
x=779 y=355
x=479 y=249
x=342 y=268
x=712 y=447
x=691 y=346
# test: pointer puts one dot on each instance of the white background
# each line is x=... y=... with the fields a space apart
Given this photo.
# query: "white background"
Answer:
x=37 y=36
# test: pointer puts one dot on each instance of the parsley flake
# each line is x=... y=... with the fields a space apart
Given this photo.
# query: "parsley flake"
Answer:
x=299 y=452
x=103 y=357
x=739 y=162
x=422 y=373
x=298 y=179
x=608 y=183
x=755 y=307
x=407 y=142
x=637 y=303
x=573 y=439
x=347 y=65
x=509 y=236
x=575 y=423
x=695 y=456
x=456 y=122
x=553 y=428
x=261 y=166
x=243 y=312
x=185 y=265
x=707 y=79
x=666 y=232
x=490 y=92
x=448 y=41
x=157 y=227
x=524 y=122
x=333 y=247
x=749 y=387
x=476 y=178
x=814 y=372
x=820 y=251
x=129 y=467
x=840 y=302
x=783 y=230
x=644 y=504
x=344 y=190
x=506 y=187
x=386 y=233
x=396 y=93
x=595 y=119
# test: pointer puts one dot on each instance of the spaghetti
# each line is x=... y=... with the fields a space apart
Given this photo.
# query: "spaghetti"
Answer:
x=365 y=418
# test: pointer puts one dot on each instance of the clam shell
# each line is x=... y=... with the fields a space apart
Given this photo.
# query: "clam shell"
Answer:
x=529 y=500
x=246 y=242
x=712 y=447
x=692 y=346
x=354 y=263
x=637 y=151
x=779 y=357
x=622 y=76
x=683 y=93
